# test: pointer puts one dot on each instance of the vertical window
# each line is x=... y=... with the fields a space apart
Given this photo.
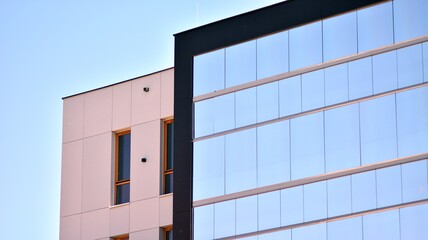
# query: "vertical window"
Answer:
x=122 y=166
x=168 y=158
x=167 y=233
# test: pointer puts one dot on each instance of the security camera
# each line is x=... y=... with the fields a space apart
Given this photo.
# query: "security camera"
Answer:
x=146 y=89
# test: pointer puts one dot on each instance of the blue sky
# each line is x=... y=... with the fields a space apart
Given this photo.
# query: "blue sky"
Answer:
x=51 y=49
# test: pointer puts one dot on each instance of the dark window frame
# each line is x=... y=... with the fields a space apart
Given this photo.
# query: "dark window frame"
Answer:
x=120 y=182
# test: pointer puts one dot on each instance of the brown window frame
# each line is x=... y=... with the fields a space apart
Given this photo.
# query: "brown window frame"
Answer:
x=121 y=237
x=165 y=170
x=118 y=182
x=165 y=230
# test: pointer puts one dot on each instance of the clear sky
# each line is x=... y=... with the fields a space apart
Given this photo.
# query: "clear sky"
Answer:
x=51 y=49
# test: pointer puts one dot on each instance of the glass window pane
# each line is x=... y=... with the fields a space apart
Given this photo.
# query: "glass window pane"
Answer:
x=349 y=229
x=208 y=72
x=414 y=177
x=315 y=201
x=382 y=225
x=412 y=119
x=340 y=36
x=305 y=45
x=272 y=55
x=224 y=219
x=363 y=191
x=269 y=210
x=313 y=90
x=410 y=19
x=290 y=96
x=375 y=27
x=241 y=63
x=170 y=146
x=378 y=130
x=425 y=60
x=208 y=168
x=385 y=72
x=203 y=221
x=388 y=185
x=413 y=222
x=124 y=157
x=336 y=84
x=317 y=231
x=245 y=107
x=282 y=235
x=204 y=117
x=339 y=196
x=241 y=161
x=360 y=78
x=307 y=146
x=291 y=206
x=342 y=138
x=267 y=102
x=246 y=214
x=273 y=153
x=224 y=116
x=122 y=193
x=169 y=183
x=410 y=69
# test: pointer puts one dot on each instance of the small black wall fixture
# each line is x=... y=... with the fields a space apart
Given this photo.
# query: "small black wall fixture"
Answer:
x=146 y=89
x=143 y=159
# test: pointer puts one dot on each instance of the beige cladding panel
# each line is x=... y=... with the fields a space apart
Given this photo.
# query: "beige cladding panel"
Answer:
x=98 y=112
x=119 y=220
x=144 y=214
x=165 y=210
x=72 y=123
x=146 y=105
x=95 y=224
x=121 y=116
x=151 y=234
x=167 y=93
x=70 y=227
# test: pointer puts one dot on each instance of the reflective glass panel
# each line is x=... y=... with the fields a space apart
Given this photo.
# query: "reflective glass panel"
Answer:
x=382 y=225
x=241 y=161
x=224 y=116
x=410 y=69
x=410 y=19
x=339 y=196
x=208 y=168
x=246 y=107
x=290 y=96
x=313 y=90
x=122 y=193
x=360 y=78
x=336 y=84
x=412 y=119
x=273 y=153
x=340 y=36
x=388 y=185
x=224 y=219
x=204 y=117
x=363 y=191
x=315 y=201
x=208 y=72
x=267 y=102
x=272 y=55
x=269 y=210
x=342 y=138
x=378 y=130
x=169 y=142
x=283 y=235
x=203 y=221
x=246 y=214
x=375 y=27
x=425 y=60
x=349 y=229
x=413 y=222
x=414 y=177
x=241 y=63
x=317 y=231
x=307 y=145
x=385 y=72
x=305 y=45
x=169 y=183
x=124 y=157
x=291 y=206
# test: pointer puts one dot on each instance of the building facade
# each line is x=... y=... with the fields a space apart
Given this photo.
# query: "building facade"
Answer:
x=307 y=119
x=116 y=162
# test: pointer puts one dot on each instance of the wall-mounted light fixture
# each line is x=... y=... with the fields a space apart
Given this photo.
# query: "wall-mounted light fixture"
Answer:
x=146 y=89
x=143 y=159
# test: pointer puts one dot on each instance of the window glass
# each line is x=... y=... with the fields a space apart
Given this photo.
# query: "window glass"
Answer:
x=360 y=78
x=317 y=231
x=224 y=219
x=375 y=27
x=241 y=63
x=425 y=60
x=246 y=214
x=208 y=168
x=204 y=117
x=273 y=153
x=269 y=210
x=413 y=222
x=168 y=156
x=340 y=36
x=290 y=96
x=203 y=221
x=339 y=196
x=315 y=201
x=336 y=84
x=349 y=229
x=313 y=90
x=388 y=185
x=385 y=72
x=208 y=72
x=224 y=116
x=382 y=225
x=272 y=55
x=305 y=45
x=307 y=145
x=124 y=157
x=283 y=235
x=410 y=19
x=410 y=69
x=412 y=119
x=292 y=206
x=414 y=177
x=363 y=191
x=122 y=193
x=378 y=130
x=342 y=138
x=245 y=107
x=267 y=102
x=241 y=161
